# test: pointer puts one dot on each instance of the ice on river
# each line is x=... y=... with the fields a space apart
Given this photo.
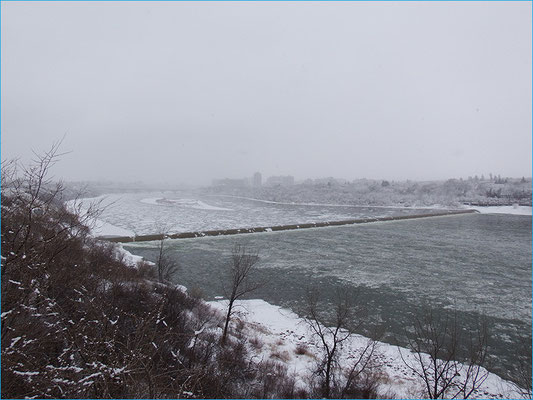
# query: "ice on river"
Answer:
x=174 y=212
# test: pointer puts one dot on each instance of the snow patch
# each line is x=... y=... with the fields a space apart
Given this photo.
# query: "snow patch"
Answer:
x=14 y=341
x=130 y=259
x=281 y=331
x=151 y=200
x=99 y=227
x=26 y=373
x=105 y=229
x=514 y=210
x=187 y=203
x=200 y=205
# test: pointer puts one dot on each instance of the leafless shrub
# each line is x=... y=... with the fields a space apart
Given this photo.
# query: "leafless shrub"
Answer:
x=360 y=386
x=257 y=343
x=283 y=356
x=436 y=350
x=301 y=349
x=146 y=270
x=79 y=323
x=331 y=340
x=361 y=377
x=165 y=265
x=241 y=269
x=76 y=321
x=274 y=382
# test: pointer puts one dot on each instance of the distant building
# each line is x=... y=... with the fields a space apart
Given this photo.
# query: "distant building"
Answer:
x=330 y=181
x=280 y=181
x=257 y=180
x=230 y=183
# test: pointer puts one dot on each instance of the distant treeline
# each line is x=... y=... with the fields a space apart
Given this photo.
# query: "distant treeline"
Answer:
x=496 y=191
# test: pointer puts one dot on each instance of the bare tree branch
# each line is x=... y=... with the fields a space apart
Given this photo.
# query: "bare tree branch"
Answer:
x=332 y=339
x=241 y=268
x=435 y=347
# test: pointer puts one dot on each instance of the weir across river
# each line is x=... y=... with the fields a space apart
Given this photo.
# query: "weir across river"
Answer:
x=220 y=232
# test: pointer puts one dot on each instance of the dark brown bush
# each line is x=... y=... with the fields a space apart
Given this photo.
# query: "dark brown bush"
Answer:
x=77 y=322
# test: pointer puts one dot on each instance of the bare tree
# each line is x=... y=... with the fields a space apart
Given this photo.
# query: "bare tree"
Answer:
x=434 y=346
x=165 y=265
x=241 y=268
x=364 y=363
x=436 y=350
x=31 y=196
x=332 y=340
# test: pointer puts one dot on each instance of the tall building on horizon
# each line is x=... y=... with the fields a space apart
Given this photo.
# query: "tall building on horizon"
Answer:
x=257 y=180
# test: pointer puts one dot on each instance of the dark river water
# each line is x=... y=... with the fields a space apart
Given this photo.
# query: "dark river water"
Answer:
x=477 y=265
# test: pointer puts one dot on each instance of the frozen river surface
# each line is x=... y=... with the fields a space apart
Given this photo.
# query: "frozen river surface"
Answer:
x=175 y=212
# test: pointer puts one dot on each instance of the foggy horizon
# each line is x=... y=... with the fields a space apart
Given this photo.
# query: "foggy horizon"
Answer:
x=184 y=93
x=297 y=180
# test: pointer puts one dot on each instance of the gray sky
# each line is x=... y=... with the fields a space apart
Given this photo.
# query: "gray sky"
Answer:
x=186 y=92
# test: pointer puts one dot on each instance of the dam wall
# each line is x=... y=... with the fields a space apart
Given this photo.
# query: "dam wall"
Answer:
x=220 y=232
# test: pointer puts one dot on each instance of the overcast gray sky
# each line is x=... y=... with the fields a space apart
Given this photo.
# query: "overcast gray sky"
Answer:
x=190 y=91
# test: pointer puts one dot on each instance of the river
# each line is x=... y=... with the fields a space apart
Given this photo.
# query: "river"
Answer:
x=477 y=265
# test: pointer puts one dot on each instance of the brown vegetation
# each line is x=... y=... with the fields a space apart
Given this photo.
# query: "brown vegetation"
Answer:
x=77 y=322
x=436 y=349
x=355 y=380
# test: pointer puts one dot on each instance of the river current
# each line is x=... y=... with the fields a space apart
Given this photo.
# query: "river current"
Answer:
x=477 y=265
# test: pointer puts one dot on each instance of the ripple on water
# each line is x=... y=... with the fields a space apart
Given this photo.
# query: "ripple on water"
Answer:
x=477 y=264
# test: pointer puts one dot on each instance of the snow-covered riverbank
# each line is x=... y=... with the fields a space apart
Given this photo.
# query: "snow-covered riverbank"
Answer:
x=280 y=333
x=99 y=227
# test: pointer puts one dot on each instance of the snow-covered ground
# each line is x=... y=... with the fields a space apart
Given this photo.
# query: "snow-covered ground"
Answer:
x=187 y=203
x=279 y=332
x=103 y=229
x=130 y=259
x=514 y=210
x=99 y=227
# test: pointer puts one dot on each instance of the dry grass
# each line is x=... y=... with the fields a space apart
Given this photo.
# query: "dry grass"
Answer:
x=257 y=343
x=302 y=350
x=281 y=355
